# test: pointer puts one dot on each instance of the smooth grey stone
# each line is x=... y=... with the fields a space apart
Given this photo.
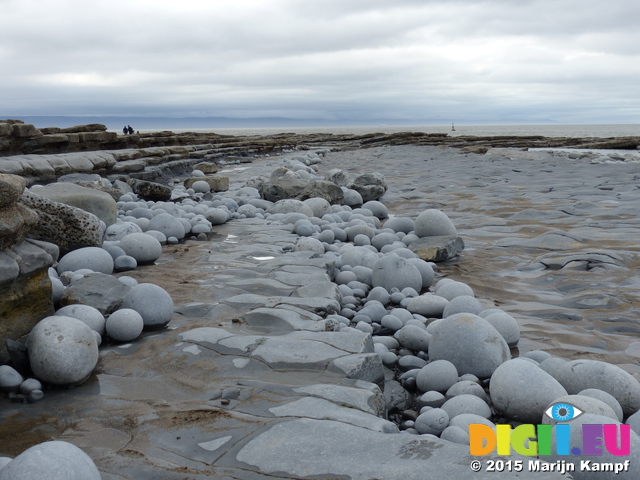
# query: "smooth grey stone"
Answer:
x=431 y=399
x=466 y=403
x=128 y=281
x=62 y=350
x=389 y=342
x=152 y=302
x=172 y=241
x=125 y=263
x=428 y=305
x=537 y=355
x=374 y=310
x=552 y=365
x=522 y=391
x=351 y=197
x=144 y=248
x=432 y=422
x=426 y=271
x=216 y=216
x=169 y=225
x=585 y=404
x=377 y=209
x=92 y=258
x=410 y=362
x=115 y=251
x=86 y=314
x=391 y=322
x=394 y=271
x=359 y=256
x=434 y=223
x=55 y=460
x=465 y=419
x=455 y=435
x=467 y=387
x=606 y=398
x=414 y=338
x=124 y=325
x=462 y=304
x=438 y=375
x=400 y=224
x=578 y=375
x=35 y=396
x=29 y=385
x=454 y=289
x=634 y=422
x=382 y=239
x=509 y=329
x=118 y=231
x=10 y=379
x=57 y=290
x=470 y=343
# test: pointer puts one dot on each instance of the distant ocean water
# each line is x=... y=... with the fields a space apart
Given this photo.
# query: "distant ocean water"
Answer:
x=607 y=130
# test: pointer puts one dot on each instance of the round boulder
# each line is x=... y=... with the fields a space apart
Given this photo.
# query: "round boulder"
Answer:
x=507 y=326
x=462 y=304
x=428 y=305
x=124 y=325
x=152 y=302
x=439 y=375
x=144 y=248
x=432 y=421
x=62 y=350
x=86 y=314
x=393 y=271
x=470 y=343
x=522 y=391
x=432 y=223
x=167 y=224
x=92 y=258
x=578 y=375
x=55 y=460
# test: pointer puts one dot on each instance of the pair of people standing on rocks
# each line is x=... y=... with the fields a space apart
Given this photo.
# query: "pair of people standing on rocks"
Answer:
x=128 y=130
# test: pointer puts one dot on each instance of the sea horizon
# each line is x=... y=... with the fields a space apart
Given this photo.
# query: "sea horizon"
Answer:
x=272 y=126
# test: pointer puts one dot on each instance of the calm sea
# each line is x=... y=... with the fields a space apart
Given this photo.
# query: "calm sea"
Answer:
x=622 y=130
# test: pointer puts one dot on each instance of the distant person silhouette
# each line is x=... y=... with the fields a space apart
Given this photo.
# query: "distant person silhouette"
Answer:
x=130 y=130
x=125 y=130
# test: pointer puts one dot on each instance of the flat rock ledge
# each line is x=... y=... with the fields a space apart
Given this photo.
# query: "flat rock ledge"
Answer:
x=438 y=248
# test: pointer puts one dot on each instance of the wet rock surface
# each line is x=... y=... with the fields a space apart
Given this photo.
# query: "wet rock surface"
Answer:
x=237 y=386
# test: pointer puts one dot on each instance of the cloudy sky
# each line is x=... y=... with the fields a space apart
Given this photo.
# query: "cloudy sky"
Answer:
x=415 y=61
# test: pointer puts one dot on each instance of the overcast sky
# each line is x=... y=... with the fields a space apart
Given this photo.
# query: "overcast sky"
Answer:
x=428 y=61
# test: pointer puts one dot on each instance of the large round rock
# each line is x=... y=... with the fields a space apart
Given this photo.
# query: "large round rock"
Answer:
x=578 y=375
x=470 y=343
x=167 y=224
x=393 y=271
x=93 y=258
x=62 y=350
x=152 y=302
x=55 y=460
x=141 y=246
x=432 y=223
x=86 y=314
x=521 y=391
x=124 y=325
x=438 y=375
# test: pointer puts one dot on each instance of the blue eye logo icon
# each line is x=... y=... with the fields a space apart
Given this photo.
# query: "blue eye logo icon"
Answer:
x=563 y=412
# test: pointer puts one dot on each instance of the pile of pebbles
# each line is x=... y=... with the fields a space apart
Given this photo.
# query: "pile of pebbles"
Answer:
x=446 y=353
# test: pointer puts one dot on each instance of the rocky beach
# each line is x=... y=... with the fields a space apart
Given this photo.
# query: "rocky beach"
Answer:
x=310 y=306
